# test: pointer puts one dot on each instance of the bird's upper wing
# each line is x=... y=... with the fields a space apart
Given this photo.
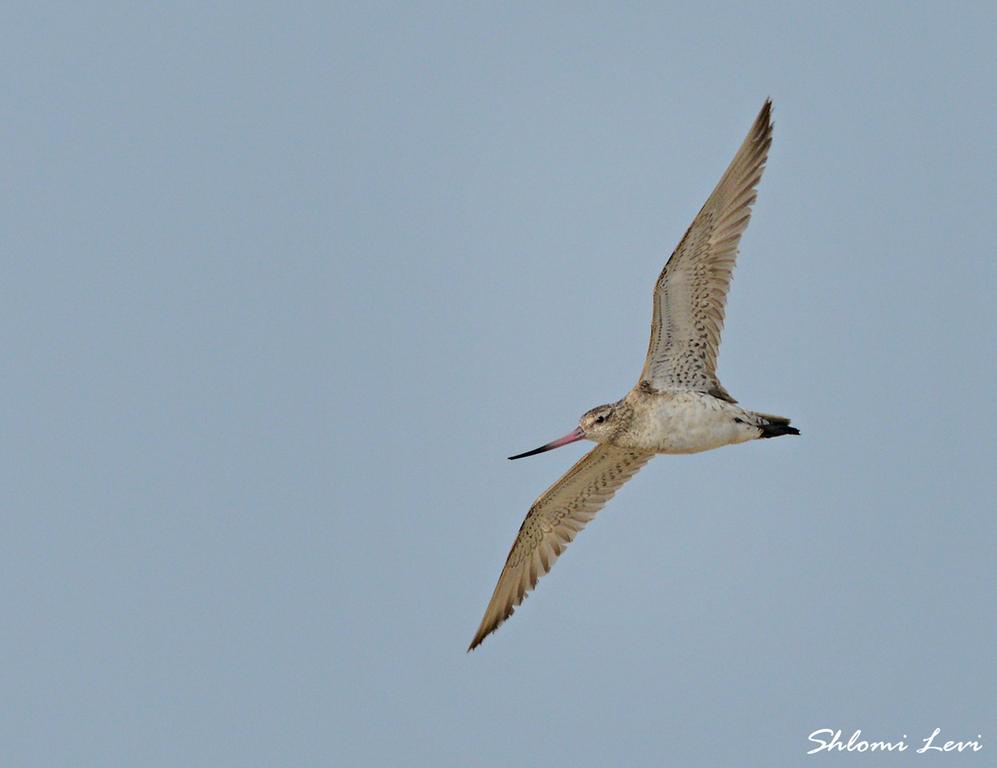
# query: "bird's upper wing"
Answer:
x=552 y=522
x=691 y=292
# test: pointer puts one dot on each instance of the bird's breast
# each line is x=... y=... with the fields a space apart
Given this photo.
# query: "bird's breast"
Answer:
x=686 y=422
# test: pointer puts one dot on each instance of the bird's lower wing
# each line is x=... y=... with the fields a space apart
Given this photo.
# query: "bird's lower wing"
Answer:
x=552 y=523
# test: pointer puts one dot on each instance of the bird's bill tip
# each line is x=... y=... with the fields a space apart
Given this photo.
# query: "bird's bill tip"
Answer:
x=571 y=437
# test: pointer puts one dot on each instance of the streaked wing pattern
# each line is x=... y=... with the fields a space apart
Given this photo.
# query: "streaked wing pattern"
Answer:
x=553 y=521
x=691 y=291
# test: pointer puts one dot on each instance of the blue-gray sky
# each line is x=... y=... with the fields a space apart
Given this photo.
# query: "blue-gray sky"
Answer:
x=281 y=288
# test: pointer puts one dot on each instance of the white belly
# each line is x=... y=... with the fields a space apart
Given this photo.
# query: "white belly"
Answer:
x=691 y=422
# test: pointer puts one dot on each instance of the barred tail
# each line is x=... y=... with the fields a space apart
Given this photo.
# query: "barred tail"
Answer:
x=775 y=426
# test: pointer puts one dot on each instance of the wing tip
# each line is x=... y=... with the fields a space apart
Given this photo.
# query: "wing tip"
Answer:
x=763 y=123
x=767 y=107
x=479 y=637
x=495 y=616
x=488 y=626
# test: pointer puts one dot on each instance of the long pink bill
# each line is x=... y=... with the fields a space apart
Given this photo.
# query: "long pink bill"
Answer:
x=569 y=438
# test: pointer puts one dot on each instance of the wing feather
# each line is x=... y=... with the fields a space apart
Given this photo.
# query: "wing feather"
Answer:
x=691 y=292
x=553 y=522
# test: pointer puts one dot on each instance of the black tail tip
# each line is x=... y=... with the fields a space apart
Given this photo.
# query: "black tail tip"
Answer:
x=778 y=430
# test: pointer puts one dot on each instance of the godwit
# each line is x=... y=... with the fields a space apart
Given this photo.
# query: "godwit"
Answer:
x=677 y=406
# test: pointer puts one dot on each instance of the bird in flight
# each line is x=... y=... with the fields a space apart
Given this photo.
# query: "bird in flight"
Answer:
x=677 y=406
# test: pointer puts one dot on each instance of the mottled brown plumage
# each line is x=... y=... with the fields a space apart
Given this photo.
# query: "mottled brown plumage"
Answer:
x=691 y=292
x=552 y=523
x=677 y=406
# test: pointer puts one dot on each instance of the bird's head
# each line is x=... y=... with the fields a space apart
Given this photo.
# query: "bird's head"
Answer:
x=596 y=425
x=599 y=423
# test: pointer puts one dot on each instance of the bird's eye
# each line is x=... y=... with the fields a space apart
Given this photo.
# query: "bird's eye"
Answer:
x=599 y=419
